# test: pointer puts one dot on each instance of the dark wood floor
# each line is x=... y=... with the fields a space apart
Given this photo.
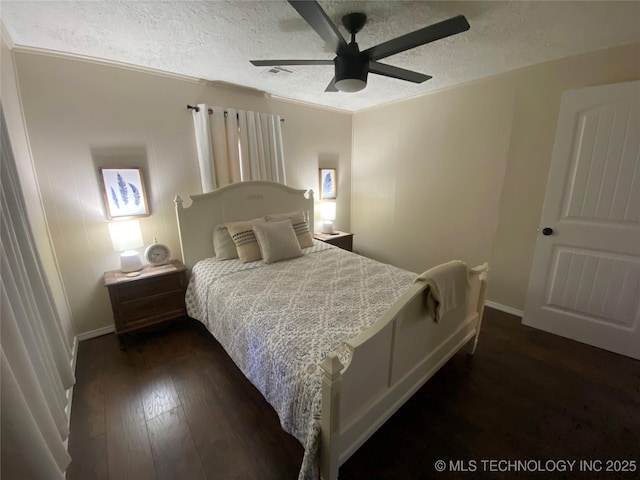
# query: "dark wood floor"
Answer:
x=174 y=406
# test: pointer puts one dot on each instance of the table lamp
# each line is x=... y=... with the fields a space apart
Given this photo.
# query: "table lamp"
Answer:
x=328 y=215
x=126 y=236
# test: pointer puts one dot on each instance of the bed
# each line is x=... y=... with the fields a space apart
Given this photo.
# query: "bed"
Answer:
x=334 y=341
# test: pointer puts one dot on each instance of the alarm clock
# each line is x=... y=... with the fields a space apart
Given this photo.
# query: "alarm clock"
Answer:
x=157 y=253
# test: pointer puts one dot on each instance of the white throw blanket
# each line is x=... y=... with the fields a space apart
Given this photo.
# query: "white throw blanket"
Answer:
x=447 y=283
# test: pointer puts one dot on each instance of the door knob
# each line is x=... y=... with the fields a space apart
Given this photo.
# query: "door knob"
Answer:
x=547 y=231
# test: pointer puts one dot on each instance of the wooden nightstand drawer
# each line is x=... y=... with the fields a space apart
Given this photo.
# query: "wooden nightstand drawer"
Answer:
x=156 y=294
x=150 y=310
x=149 y=287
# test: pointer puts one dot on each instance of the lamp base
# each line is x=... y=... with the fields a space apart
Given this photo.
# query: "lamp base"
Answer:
x=130 y=261
x=327 y=226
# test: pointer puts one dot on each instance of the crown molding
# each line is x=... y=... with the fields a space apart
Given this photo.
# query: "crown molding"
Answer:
x=101 y=61
x=309 y=104
x=6 y=37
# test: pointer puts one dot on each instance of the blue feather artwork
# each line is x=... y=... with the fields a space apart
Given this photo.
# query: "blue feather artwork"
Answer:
x=136 y=194
x=327 y=184
x=124 y=191
x=115 y=198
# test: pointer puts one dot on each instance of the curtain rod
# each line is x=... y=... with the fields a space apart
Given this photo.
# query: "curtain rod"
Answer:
x=197 y=109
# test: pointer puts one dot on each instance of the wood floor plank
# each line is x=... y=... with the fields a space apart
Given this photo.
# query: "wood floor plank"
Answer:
x=148 y=348
x=92 y=353
x=253 y=418
x=213 y=432
x=129 y=453
x=89 y=460
x=174 y=451
x=128 y=448
x=87 y=418
x=157 y=391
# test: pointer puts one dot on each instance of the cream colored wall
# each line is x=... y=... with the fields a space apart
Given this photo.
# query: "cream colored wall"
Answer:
x=462 y=173
x=81 y=115
x=12 y=108
x=427 y=176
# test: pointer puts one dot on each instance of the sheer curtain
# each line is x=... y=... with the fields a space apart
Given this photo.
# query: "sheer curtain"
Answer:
x=237 y=145
x=36 y=357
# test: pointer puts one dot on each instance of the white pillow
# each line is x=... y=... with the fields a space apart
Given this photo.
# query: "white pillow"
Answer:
x=277 y=241
x=223 y=243
x=245 y=240
x=300 y=226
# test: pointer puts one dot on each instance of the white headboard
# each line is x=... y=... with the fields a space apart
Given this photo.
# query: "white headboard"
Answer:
x=235 y=202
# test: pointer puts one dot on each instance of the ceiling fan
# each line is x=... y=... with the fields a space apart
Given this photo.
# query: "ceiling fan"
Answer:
x=351 y=65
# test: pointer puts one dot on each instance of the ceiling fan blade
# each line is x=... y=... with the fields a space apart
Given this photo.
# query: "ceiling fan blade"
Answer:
x=332 y=86
x=316 y=17
x=396 y=72
x=278 y=63
x=423 y=36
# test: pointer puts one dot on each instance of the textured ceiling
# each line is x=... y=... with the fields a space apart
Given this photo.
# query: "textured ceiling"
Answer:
x=214 y=40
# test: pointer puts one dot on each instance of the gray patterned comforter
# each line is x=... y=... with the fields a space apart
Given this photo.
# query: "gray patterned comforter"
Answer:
x=279 y=321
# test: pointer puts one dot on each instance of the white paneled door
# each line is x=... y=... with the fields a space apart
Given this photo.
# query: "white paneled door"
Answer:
x=585 y=278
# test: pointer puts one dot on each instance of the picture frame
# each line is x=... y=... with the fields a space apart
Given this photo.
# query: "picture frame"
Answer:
x=124 y=193
x=328 y=185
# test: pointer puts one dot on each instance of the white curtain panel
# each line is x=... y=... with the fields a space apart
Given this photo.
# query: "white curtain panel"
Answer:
x=261 y=146
x=36 y=357
x=204 y=148
x=238 y=146
x=233 y=151
x=277 y=150
x=224 y=138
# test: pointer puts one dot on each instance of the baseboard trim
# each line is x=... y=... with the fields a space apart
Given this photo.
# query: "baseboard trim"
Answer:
x=504 y=308
x=95 y=333
x=67 y=410
x=74 y=354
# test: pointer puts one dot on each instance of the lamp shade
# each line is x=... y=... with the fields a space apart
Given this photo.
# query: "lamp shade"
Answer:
x=328 y=215
x=126 y=235
x=328 y=211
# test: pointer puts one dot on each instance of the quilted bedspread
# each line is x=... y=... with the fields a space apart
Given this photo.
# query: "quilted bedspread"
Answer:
x=279 y=321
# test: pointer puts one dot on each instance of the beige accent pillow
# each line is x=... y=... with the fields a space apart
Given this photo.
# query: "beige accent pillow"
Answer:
x=277 y=241
x=300 y=226
x=245 y=240
x=223 y=243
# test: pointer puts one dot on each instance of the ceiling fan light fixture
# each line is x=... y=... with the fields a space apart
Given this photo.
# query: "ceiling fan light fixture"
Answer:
x=351 y=72
x=350 y=85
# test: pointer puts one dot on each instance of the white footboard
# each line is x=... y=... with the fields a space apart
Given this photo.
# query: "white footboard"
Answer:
x=390 y=362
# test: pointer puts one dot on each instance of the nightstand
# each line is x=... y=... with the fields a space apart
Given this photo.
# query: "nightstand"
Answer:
x=155 y=295
x=340 y=239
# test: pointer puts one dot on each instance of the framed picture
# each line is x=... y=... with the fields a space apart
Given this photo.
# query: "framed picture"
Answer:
x=328 y=184
x=124 y=193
